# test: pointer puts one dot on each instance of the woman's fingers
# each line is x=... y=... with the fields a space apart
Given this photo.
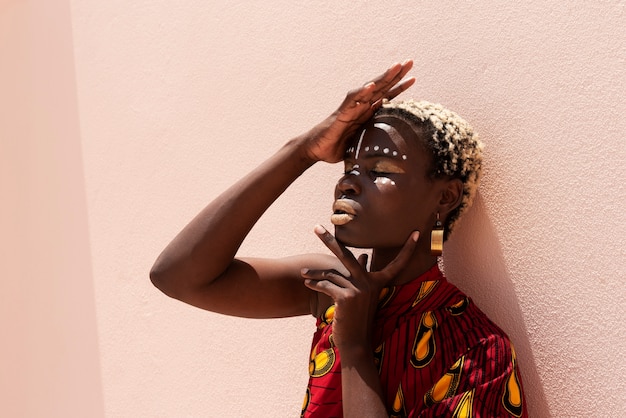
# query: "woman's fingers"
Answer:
x=329 y=282
x=394 y=92
x=331 y=276
x=392 y=76
x=392 y=73
x=363 y=261
x=399 y=88
x=385 y=86
x=356 y=268
x=341 y=252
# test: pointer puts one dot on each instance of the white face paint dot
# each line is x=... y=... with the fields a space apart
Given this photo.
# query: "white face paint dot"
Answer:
x=384 y=180
x=386 y=150
x=404 y=157
x=367 y=148
x=394 y=153
x=376 y=148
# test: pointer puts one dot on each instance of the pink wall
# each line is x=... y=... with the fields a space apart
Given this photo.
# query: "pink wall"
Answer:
x=49 y=357
x=178 y=100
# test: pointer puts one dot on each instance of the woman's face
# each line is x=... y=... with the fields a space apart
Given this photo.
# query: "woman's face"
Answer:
x=385 y=193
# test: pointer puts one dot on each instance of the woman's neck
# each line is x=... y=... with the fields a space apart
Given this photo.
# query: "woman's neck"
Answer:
x=420 y=262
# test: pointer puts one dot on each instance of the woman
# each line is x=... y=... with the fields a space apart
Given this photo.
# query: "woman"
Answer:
x=394 y=338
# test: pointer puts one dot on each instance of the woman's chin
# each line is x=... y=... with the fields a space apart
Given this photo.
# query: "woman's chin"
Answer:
x=350 y=238
x=354 y=237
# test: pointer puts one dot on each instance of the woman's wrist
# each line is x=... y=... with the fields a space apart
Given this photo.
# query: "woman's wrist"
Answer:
x=301 y=149
x=354 y=353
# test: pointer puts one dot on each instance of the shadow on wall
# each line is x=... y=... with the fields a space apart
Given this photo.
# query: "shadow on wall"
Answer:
x=475 y=263
x=49 y=356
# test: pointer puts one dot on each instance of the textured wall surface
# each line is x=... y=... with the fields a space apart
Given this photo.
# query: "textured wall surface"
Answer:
x=49 y=357
x=177 y=100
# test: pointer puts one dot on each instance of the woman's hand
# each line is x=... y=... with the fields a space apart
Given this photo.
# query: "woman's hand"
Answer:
x=327 y=141
x=356 y=295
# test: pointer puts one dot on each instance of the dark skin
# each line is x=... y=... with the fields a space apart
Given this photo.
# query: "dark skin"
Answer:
x=199 y=266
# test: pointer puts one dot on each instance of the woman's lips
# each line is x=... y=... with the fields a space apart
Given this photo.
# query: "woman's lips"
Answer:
x=344 y=212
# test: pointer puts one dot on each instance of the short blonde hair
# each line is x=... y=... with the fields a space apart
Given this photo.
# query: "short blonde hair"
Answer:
x=455 y=148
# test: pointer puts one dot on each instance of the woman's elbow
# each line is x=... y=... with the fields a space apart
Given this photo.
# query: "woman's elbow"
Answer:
x=162 y=279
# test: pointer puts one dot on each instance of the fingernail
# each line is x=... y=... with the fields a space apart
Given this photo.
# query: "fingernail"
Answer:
x=304 y=271
x=415 y=236
x=319 y=229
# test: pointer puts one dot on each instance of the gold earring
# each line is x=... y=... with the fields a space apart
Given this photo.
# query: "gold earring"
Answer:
x=436 y=238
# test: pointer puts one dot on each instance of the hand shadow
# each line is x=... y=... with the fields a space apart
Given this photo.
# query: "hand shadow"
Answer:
x=474 y=262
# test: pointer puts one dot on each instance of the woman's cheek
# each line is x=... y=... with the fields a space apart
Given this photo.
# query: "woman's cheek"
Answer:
x=384 y=182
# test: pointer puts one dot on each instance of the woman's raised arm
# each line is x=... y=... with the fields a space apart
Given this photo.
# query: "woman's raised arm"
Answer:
x=199 y=265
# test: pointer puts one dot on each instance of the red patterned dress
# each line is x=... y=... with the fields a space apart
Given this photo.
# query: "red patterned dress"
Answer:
x=437 y=355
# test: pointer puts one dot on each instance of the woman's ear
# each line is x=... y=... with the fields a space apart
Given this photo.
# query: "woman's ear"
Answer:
x=451 y=196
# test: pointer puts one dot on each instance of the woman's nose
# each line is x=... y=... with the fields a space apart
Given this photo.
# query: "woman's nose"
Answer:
x=349 y=184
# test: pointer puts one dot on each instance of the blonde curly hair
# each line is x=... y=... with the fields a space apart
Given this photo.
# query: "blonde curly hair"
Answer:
x=455 y=148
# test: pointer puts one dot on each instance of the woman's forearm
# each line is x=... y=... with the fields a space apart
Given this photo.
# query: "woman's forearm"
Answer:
x=207 y=245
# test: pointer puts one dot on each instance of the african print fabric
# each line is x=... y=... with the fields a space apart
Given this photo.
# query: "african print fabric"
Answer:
x=437 y=354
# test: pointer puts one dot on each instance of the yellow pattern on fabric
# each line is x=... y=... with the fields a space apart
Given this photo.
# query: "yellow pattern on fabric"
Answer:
x=459 y=307
x=385 y=296
x=398 y=409
x=305 y=403
x=379 y=354
x=465 y=408
x=446 y=386
x=327 y=318
x=512 y=396
x=425 y=289
x=322 y=362
x=424 y=347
